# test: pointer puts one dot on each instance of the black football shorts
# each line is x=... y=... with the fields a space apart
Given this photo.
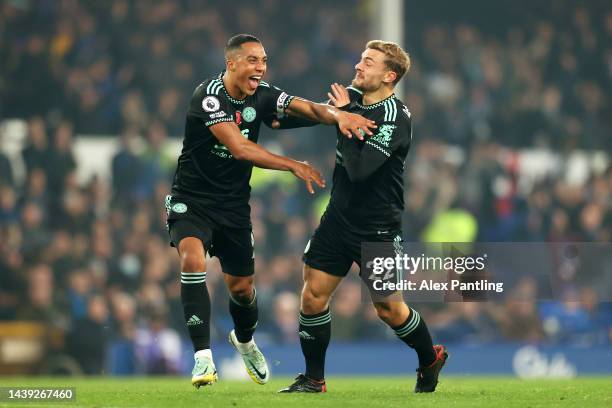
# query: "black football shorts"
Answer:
x=233 y=246
x=333 y=248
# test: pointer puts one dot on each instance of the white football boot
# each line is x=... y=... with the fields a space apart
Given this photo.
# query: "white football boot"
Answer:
x=204 y=370
x=254 y=360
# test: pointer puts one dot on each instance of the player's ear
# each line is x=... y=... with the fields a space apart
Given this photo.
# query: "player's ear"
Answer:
x=230 y=60
x=390 y=77
x=229 y=64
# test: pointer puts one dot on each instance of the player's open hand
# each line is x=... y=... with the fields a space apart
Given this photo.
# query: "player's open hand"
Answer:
x=351 y=124
x=309 y=174
x=339 y=96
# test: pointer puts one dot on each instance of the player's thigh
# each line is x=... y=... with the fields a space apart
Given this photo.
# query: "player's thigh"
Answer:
x=193 y=255
x=234 y=248
x=326 y=250
x=190 y=239
x=317 y=290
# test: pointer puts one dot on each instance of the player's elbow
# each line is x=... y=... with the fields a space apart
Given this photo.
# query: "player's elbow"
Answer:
x=240 y=153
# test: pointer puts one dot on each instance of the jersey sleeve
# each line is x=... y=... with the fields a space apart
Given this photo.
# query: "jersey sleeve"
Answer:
x=210 y=104
x=288 y=122
x=293 y=122
x=362 y=159
x=272 y=100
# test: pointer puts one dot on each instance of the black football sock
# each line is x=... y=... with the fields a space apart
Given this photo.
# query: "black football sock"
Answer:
x=196 y=308
x=415 y=334
x=315 y=331
x=245 y=316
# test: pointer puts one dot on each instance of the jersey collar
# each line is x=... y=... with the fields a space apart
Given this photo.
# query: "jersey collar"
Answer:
x=377 y=104
x=232 y=100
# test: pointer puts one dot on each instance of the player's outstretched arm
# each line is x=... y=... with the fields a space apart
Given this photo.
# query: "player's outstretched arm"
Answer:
x=338 y=97
x=243 y=149
x=349 y=123
x=288 y=122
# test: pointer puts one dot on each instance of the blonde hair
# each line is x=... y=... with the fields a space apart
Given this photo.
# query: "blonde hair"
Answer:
x=397 y=60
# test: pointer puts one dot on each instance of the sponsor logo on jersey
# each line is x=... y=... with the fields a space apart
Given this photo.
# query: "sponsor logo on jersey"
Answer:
x=249 y=114
x=179 y=208
x=210 y=104
x=217 y=115
x=384 y=135
x=238 y=118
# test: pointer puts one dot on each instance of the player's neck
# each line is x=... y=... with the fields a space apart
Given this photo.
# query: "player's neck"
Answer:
x=370 y=98
x=232 y=89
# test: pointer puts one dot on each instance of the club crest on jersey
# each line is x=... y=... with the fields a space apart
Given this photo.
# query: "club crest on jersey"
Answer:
x=179 y=208
x=210 y=104
x=384 y=135
x=249 y=114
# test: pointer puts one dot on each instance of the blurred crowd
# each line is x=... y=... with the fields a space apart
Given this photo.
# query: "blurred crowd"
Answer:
x=535 y=75
x=93 y=260
x=106 y=66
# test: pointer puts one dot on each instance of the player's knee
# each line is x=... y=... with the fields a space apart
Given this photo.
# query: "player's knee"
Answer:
x=387 y=312
x=313 y=302
x=384 y=311
x=241 y=289
x=192 y=262
x=392 y=313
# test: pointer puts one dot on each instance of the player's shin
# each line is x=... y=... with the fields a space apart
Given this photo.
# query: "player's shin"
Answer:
x=414 y=333
x=315 y=332
x=245 y=315
x=196 y=308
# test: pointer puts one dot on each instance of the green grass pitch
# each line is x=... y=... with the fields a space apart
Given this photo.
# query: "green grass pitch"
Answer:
x=490 y=392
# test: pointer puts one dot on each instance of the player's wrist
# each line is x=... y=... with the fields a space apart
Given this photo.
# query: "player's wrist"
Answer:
x=292 y=165
x=334 y=114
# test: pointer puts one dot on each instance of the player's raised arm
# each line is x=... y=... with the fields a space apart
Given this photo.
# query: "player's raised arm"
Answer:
x=338 y=97
x=349 y=123
x=241 y=148
x=287 y=122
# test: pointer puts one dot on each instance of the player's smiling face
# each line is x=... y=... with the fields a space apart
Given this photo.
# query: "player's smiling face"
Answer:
x=371 y=71
x=248 y=66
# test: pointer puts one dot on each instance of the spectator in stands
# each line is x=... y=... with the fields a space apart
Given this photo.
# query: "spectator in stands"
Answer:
x=286 y=308
x=126 y=171
x=88 y=338
x=42 y=305
x=61 y=158
x=158 y=347
x=36 y=153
